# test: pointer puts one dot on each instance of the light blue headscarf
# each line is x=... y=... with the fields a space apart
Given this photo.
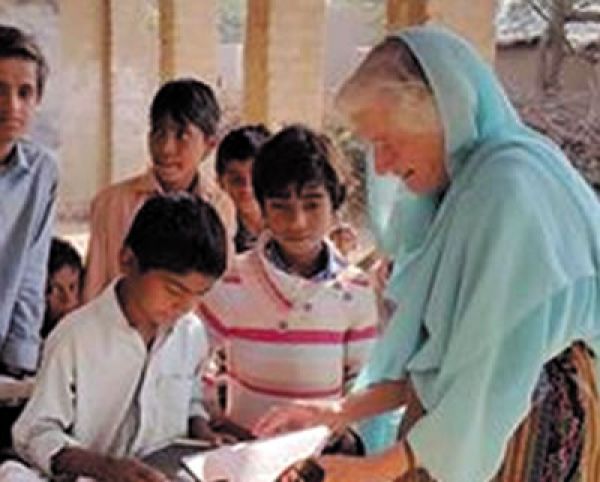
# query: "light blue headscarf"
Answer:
x=491 y=281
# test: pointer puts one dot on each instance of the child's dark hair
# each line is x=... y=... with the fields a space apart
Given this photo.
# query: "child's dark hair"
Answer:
x=240 y=144
x=62 y=253
x=186 y=101
x=179 y=233
x=295 y=155
x=16 y=43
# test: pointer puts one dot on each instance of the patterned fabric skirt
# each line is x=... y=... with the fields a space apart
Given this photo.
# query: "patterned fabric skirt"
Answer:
x=559 y=441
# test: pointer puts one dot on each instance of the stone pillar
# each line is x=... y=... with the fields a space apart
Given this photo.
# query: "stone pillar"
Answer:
x=188 y=39
x=133 y=66
x=472 y=20
x=84 y=117
x=284 y=62
x=256 y=76
x=402 y=13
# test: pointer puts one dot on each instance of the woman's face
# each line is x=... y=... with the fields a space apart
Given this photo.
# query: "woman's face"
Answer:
x=411 y=149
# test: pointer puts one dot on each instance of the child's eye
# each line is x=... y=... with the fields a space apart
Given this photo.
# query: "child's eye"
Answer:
x=157 y=133
x=311 y=206
x=278 y=205
x=26 y=92
x=237 y=181
x=182 y=134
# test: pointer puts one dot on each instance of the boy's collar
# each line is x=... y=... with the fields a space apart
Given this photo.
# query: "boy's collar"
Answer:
x=16 y=157
x=328 y=266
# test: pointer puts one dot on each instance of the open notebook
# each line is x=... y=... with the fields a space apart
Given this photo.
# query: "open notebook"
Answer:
x=259 y=461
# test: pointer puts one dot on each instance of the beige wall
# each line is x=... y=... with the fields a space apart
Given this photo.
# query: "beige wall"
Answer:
x=109 y=56
x=472 y=19
x=84 y=131
x=284 y=63
x=109 y=77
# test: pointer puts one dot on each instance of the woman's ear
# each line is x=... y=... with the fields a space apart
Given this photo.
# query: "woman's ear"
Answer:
x=127 y=261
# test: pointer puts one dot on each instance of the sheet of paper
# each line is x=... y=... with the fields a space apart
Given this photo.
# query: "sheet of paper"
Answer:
x=258 y=461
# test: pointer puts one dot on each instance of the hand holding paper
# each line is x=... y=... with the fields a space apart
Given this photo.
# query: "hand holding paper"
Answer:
x=259 y=461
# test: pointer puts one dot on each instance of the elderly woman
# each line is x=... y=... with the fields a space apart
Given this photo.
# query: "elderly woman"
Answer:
x=496 y=241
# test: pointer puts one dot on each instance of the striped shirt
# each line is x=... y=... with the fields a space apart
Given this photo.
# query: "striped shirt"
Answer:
x=286 y=337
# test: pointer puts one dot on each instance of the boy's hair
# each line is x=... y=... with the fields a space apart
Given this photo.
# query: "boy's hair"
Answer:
x=295 y=155
x=16 y=43
x=240 y=144
x=62 y=253
x=186 y=101
x=178 y=233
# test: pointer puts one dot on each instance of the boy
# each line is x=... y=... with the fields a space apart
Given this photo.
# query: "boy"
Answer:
x=28 y=180
x=183 y=120
x=119 y=375
x=295 y=320
x=235 y=156
x=63 y=287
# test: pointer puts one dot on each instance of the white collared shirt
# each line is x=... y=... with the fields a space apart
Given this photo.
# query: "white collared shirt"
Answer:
x=95 y=368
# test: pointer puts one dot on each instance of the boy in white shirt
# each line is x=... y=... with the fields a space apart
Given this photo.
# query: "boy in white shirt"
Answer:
x=120 y=375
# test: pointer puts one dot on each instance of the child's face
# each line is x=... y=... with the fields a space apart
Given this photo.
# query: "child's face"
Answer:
x=237 y=182
x=176 y=151
x=18 y=99
x=299 y=222
x=63 y=292
x=159 y=297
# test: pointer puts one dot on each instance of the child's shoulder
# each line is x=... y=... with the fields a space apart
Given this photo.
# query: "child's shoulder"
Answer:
x=37 y=155
x=126 y=187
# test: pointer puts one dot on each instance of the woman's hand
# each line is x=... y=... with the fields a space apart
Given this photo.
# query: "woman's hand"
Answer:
x=335 y=468
x=297 y=416
x=389 y=465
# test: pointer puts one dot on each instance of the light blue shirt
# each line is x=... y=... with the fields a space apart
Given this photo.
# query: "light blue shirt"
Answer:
x=27 y=197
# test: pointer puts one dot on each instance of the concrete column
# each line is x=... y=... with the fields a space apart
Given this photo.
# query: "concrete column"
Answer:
x=402 y=13
x=284 y=62
x=133 y=65
x=84 y=118
x=473 y=20
x=189 y=39
x=256 y=48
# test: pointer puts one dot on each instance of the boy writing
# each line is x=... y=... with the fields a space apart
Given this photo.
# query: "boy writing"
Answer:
x=295 y=320
x=183 y=121
x=235 y=156
x=28 y=179
x=119 y=375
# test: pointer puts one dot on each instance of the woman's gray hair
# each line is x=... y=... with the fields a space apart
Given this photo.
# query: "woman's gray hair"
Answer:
x=389 y=71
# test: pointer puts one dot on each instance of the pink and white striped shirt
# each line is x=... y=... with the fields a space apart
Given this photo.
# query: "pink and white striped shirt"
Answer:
x=286 y=337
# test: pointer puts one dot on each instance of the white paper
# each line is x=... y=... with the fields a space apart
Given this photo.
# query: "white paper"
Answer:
x=258 y=461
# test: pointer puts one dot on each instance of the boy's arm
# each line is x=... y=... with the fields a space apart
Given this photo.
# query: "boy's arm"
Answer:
x=81 y=462
x=21 y=349
x=42 y=429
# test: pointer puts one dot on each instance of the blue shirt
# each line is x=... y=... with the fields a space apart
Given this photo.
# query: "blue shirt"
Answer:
x=27 y=198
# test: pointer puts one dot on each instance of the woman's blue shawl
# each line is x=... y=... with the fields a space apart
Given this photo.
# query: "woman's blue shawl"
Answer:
x=491 y=280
